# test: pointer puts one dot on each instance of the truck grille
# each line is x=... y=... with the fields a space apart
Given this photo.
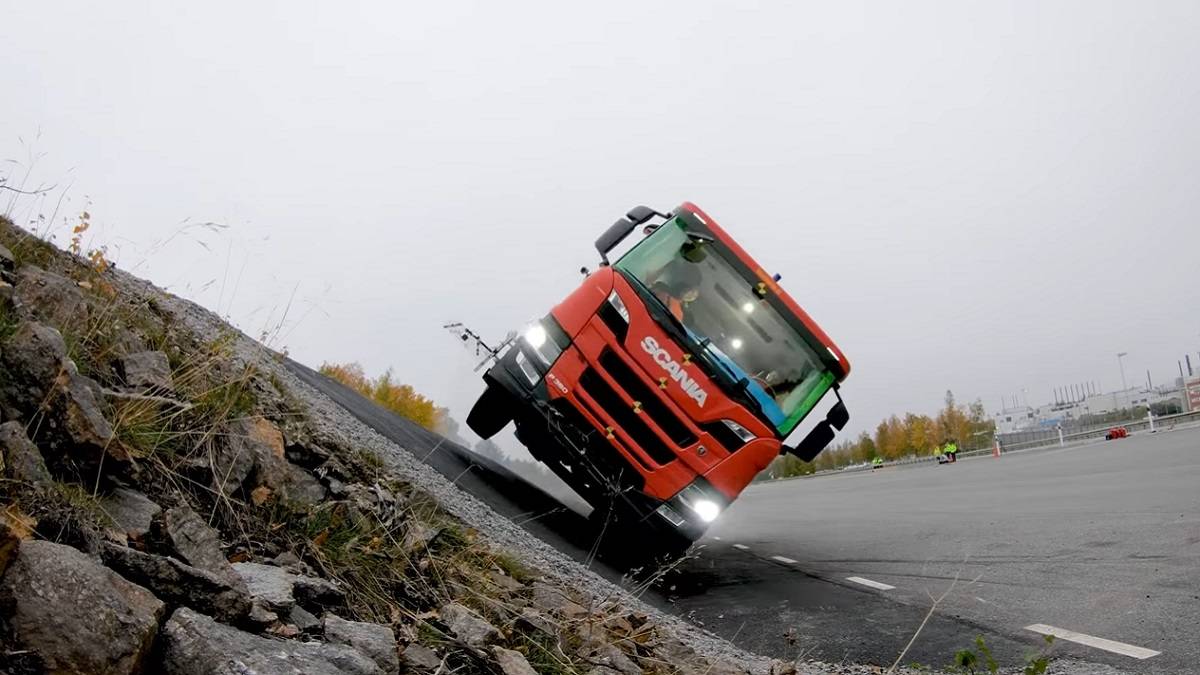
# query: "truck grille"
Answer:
x=637 y=389
x=598 y=448
x=633 y=424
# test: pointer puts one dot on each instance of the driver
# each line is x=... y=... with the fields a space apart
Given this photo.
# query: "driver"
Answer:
x=683 y=287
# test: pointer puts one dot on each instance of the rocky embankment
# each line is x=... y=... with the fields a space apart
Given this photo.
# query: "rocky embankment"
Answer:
x=170 y=503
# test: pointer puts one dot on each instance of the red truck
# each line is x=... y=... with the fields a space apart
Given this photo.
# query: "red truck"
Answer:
x=668 y=380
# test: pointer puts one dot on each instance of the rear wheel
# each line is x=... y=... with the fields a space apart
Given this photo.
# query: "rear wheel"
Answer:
x=491 y=412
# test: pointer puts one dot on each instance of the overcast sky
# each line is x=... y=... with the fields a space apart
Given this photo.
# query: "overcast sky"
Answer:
x=984 y=197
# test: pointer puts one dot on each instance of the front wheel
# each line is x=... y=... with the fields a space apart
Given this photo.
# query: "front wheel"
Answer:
x=630 y=542
x=491 y=412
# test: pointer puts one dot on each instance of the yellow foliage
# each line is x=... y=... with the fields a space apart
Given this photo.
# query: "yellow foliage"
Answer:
x=401 y=399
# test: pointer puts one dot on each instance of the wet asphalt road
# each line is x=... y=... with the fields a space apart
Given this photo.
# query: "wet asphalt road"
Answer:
x=1101 y=539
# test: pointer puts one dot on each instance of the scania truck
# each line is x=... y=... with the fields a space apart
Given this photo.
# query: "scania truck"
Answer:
x=668 y=380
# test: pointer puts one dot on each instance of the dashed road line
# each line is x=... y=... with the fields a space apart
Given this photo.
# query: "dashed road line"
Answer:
x=1093 y=641
x=870 y=584
x=741 y=547
x=786 y=561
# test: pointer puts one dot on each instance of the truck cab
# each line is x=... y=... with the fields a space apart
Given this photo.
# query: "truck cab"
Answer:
x=661 y=386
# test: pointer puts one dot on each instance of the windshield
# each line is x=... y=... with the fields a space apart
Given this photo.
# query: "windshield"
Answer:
x=728 y=319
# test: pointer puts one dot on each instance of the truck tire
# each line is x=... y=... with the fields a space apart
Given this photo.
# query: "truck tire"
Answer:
x=491 y=413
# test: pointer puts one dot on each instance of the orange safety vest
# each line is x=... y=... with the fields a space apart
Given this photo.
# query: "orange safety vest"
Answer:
x=676 y=307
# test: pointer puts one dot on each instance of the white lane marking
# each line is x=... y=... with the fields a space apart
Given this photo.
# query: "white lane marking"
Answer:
x=1092 y=641
x=740 y=547
x=784 y=560
x=870 y=584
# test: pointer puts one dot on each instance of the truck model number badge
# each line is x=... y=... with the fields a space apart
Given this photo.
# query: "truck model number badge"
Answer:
x=663 y=359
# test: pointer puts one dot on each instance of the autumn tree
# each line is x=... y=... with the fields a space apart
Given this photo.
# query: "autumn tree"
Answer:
x=400 y=398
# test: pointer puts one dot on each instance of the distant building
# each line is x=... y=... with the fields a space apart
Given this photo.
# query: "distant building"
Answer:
x=1026 y=418
x=1018 y=418
x=1191 y=397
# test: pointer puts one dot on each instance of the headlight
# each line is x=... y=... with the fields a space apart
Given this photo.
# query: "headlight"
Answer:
x=539 y=340
x=535 y=335
x=619 y=305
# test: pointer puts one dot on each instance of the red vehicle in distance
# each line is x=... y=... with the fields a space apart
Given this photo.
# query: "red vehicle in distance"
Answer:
x=668 y=380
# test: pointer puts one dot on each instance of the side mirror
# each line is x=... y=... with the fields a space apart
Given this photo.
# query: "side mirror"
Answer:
x=613 y=236
x=838 y=416
x=640 y=214
x=813 y=443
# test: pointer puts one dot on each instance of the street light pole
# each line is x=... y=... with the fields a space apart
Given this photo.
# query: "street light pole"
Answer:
x=1121 y=363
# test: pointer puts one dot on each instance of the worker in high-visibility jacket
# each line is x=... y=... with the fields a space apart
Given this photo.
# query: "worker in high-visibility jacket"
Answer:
x=876 y=463
x=950 y=449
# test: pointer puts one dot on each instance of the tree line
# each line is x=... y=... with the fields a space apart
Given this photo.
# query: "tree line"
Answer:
x=400 y=398
x=897 y=438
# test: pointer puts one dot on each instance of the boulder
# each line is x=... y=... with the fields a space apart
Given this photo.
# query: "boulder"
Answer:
x=278 y=590
x=41 y=379
x=505 y=582
x=7 y=262
x=512 y=663
x=179 y=583
x=147 y=371
x=470 y=628
x=371 y=639
x=306 y=454
x=193 y=541
x=74 y=615
x=131 y=511
x=610 y=656
x=249 y=446
x=555 y=600
x=417 y=657
x=317 y=592
x=299 y=486
x=304 y=620
x=78 y=407
x=22 y=460
x=269 y=585
x=418 y=536
x=292 y=563
x=10 y=540
x=194 y=644
x=31 y=358
x=45 y=296
x=534 y=619
x=231 y=463
x=254 y=450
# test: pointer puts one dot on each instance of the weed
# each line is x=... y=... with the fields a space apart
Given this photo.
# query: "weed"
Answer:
x=512 y=567
x=27 y=249
x=545 y=654
x=981 y=660
x=8 y=322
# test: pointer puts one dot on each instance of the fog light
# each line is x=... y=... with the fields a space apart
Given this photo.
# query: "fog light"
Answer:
x=671 y=515
x=527 y=368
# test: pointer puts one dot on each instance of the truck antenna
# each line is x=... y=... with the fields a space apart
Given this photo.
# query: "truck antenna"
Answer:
x=475 y=343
